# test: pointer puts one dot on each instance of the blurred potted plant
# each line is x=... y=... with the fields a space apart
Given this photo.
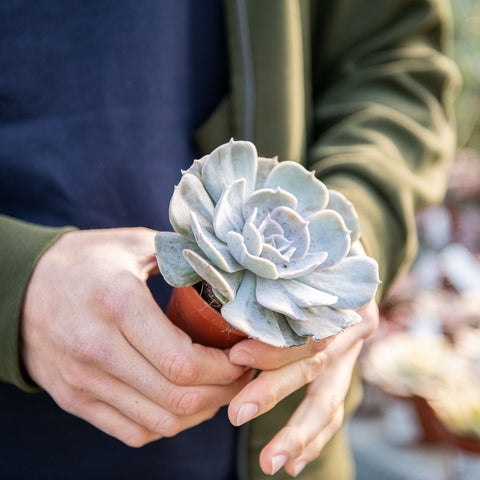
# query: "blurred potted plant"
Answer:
x=420 y=368
x=457 y=408
x=274 y=250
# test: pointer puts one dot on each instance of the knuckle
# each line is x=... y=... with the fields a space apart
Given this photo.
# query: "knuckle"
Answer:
x=80 y=347
x=179 y=369
x=271 y=396
x=336 y=403
x=313 y=366
x=115 y=298
x=318 y=346
x=89 y=346
x=136 y=439
x=371 y=324
x=67 y=401
x=298 y=443
x=337 y=411
x=370 y=319
x=296 y=439
x=103 y=294
x=168 y=426
x=75 y=376
x=230 y=375
x=185 y=403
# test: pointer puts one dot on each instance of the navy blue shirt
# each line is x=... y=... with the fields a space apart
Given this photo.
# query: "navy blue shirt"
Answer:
x=98 y=101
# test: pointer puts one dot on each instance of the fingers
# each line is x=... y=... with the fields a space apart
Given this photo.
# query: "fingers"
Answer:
x=171 y=411
x=145 y=413
x=131 y=416
x=124 y=304
x=93 y=337
x=130 y=367
x=106 y=367
x=111 y=421
x=265 y=357
x=259 y=355
x=315 y=421
x=270 y=387
x=302 y=450
x=170 y=350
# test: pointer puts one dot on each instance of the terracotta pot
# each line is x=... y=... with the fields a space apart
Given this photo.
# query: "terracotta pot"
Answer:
x=438 y=432
x=205 y=325
x=456 y=440
x=427 y=420
x=467 y=444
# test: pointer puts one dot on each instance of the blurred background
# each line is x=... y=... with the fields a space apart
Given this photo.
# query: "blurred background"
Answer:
x=420 y=418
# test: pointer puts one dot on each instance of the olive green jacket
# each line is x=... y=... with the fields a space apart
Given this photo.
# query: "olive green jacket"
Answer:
x=361 y=91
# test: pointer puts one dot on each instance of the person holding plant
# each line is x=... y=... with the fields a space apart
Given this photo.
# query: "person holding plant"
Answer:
x=100 y=103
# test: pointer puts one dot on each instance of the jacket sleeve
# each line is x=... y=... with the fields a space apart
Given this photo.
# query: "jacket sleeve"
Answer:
x=22 y=245
x=383 y=130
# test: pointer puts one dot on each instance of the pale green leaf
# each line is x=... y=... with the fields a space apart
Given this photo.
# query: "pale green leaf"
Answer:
x=226 y=164
x=339 y=203
x=271 y=294
x=324 y=321
x=257 y=265
x=190 y=196
x=328 y=233
x=225 y=283
x=266 y=200
x=354 y=281
x=216 y=250
x=306 y=296
x=301 y=267
x=247 y=315
x=175 y=269
x=228 y=214
x=311 y=193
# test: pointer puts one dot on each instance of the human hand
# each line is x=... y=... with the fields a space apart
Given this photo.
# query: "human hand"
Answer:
x=93 y=337
x=324 y=367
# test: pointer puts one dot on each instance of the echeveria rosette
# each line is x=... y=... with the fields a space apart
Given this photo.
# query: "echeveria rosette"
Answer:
x=273 y=242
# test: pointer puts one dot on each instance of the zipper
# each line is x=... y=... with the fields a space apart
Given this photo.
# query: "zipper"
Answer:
x=246 y=61
x=248 y=128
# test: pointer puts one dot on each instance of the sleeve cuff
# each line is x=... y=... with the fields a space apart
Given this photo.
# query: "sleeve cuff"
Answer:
x=22 y=246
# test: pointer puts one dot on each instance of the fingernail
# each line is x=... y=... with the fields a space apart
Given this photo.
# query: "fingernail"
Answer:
x=242 y=358
x=298 y=468
x=278 y=462
x=247 y=412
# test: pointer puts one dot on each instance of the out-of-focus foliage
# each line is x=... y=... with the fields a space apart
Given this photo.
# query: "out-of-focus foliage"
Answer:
x=467 y=54
x=428 y=343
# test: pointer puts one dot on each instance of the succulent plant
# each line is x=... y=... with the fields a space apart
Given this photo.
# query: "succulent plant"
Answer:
x=276 y=246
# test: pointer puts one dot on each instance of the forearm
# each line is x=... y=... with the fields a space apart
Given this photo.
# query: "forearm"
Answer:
x=383 y=121
x=22 y=245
